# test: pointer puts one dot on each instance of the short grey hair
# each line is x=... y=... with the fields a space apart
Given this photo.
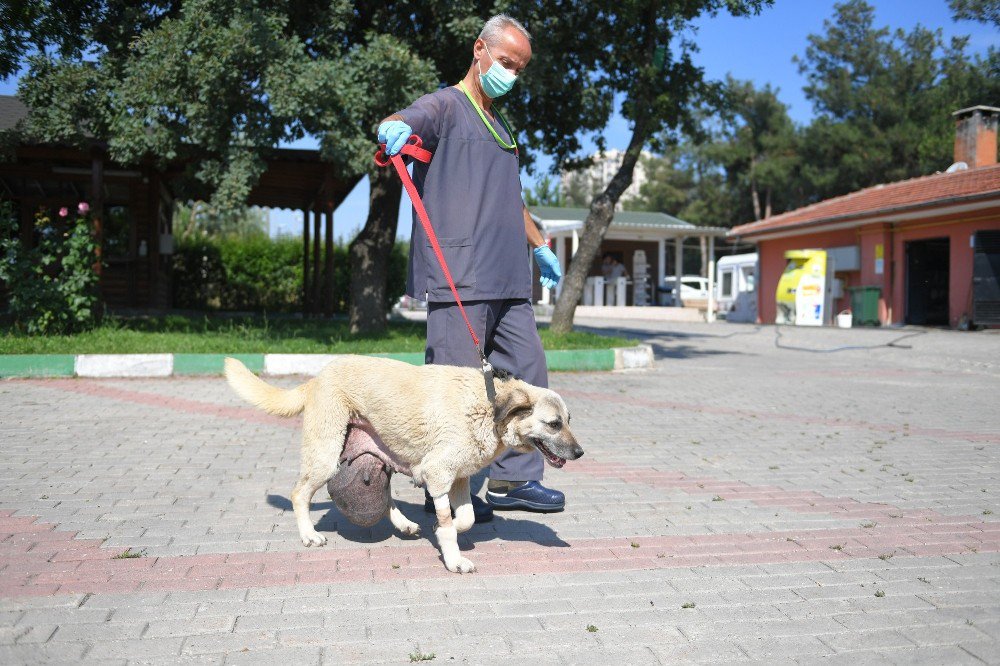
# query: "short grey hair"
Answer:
x=497 y=24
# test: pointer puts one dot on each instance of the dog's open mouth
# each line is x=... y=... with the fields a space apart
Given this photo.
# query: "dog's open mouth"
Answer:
x=550 y=457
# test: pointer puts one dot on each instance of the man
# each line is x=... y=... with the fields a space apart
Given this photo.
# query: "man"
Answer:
x=612 y=270
x=472 y=192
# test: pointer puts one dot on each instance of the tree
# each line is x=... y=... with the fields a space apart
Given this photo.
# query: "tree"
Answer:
x=883 y=101
x=669 y=186
x=545 y=193
x=759 y=150
x=984 y=11
x=222 y=82
x=199 y=218
x=589 y=53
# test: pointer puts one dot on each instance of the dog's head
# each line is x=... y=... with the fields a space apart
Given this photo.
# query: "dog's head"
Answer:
x=530 y=418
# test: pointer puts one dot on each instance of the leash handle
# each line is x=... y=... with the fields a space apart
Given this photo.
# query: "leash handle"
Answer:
x=413 y=148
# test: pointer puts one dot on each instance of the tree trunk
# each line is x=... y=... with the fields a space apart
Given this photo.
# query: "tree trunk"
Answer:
x=192 y=221
x=369 y=254
x=767 y=206
x=602 y=211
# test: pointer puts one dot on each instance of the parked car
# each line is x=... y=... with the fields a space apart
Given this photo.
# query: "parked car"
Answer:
x=693 y=288
x=407 y=303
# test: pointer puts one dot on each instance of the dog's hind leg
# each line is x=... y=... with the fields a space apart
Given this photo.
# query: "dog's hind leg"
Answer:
x=302 y=495
x=324 y=428
x=461 y=499
x=401 y=522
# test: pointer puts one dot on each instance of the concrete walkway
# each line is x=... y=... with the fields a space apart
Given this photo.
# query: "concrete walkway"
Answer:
x=798 y=496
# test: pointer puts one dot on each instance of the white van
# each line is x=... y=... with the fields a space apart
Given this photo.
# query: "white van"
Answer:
x=736 y=287
x=694 y=290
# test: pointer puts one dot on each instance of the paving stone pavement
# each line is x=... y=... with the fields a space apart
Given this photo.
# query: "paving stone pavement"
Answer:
x=758 y=495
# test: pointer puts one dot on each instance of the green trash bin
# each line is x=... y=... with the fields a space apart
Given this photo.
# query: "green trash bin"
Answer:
x=864 y=305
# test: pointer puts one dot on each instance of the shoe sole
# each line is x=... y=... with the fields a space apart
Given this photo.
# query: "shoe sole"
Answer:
x=502 y=503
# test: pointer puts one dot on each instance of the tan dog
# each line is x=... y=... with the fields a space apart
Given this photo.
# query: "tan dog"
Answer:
x=435 y=419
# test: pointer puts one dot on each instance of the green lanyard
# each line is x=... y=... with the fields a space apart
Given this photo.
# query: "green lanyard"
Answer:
x=503 y=121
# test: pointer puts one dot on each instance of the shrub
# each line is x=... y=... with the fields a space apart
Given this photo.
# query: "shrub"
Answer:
x=257 y=273
x=52 y=288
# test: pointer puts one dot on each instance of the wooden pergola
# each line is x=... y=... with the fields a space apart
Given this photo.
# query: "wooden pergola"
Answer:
x=300 y=180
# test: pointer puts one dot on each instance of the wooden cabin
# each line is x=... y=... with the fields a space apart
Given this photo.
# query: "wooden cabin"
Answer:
x=132 y=209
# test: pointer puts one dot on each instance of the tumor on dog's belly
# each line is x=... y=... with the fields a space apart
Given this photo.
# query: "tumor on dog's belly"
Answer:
x=360 y=489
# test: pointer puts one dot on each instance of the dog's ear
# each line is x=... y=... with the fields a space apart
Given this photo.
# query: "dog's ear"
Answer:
x=511 y=403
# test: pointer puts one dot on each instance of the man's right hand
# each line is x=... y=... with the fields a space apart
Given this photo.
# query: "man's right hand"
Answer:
x=394 y=134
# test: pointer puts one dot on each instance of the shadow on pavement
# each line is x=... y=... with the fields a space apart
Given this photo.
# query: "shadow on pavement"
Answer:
x=660 y=340
x=500 y=528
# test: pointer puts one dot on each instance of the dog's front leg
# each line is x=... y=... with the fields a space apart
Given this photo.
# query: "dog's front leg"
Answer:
x=461 y=499
x=447 y=537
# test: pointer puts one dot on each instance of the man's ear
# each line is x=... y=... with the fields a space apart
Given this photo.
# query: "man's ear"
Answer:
x=511 y=403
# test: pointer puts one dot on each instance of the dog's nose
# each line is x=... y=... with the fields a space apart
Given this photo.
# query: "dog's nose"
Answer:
x=577 y=451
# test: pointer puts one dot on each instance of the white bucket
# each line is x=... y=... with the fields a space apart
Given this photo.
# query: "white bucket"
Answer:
x=844 y=319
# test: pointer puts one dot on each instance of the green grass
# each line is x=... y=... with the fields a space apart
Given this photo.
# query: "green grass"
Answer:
x=175 y=334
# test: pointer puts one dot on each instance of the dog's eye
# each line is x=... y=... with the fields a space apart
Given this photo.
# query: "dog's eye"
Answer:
x=555 y=424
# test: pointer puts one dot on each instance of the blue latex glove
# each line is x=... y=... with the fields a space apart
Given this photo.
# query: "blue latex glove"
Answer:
x=548 y=264
x=394 y=133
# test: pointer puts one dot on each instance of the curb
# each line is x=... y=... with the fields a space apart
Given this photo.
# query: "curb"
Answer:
x=174 y=365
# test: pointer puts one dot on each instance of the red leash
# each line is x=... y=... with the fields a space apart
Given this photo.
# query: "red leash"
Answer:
x=413 y=149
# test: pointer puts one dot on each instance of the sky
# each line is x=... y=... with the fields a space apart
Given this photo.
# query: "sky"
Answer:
x=759 y=49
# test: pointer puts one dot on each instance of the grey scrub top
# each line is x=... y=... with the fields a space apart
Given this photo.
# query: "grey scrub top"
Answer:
x=472 y=192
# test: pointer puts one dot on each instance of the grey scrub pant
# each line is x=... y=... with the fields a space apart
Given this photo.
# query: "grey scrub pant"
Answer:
x=507 y=329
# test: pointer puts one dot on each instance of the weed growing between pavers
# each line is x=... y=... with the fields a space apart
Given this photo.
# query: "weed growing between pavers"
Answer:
x=419 y=656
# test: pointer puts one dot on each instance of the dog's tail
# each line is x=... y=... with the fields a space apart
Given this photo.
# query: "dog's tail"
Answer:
x=259 y=393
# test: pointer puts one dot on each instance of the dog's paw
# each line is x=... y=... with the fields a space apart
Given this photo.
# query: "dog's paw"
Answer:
x=461 y=565
x=410 y=530
x=313 y=539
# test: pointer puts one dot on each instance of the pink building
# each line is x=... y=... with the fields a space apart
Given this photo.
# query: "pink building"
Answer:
x=916 y=241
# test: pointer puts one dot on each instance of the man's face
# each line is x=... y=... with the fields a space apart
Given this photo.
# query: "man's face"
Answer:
x=512 y=51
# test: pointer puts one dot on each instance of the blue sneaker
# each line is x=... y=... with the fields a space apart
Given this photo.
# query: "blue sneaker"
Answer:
x=530 y=496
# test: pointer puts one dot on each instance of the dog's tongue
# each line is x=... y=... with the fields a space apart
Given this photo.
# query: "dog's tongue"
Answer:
x=556 y=460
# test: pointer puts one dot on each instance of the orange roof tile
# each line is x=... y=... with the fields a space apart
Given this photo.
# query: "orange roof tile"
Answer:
x=882 y=199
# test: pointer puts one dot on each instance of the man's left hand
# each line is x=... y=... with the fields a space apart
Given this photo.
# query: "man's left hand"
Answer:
x=548 y=264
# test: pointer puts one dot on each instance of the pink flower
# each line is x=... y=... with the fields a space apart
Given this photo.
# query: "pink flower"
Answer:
x=83 y=208
x=63 y=212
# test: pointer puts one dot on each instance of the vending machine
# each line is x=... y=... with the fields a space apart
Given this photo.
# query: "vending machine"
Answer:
x=805 y=290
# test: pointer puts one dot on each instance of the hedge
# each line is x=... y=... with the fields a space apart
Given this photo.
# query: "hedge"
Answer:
x=258 y=273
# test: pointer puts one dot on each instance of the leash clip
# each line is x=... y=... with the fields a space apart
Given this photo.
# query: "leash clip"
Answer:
x=491 y=391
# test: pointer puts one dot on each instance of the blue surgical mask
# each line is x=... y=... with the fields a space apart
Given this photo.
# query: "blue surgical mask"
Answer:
x=497 y=80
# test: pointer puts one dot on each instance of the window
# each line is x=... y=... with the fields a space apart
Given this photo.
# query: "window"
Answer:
x=727 y=284
x=117 y=231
